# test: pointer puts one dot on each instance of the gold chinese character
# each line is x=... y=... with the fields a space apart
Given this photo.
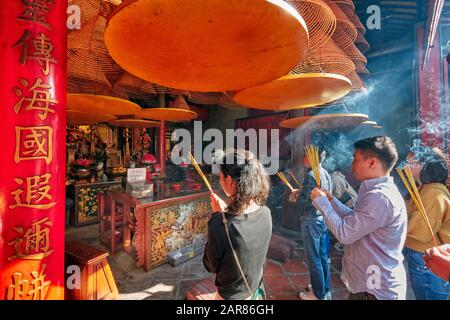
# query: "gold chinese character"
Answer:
x=37 y=188
x=40 y=286
x=42 y=53
x=20 y=288
x=34 y=143
x=36 y=11
x=40 y=99
x=34 y=244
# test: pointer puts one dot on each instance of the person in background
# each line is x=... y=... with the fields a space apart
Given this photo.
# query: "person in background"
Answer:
x=437 y=259
x=245 y=221
x=374 y=231
x=345 y=193
x=429 y=168
x=314 y=233
x=342 y=190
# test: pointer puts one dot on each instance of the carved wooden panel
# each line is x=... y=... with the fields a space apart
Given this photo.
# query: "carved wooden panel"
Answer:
x=174 y=226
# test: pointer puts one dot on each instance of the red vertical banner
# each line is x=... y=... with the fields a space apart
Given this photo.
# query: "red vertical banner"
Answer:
x=430 y=90
x=32 y=163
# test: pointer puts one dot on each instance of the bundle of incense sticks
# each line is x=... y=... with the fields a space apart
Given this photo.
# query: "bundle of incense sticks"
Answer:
x=200 y=172
x=294 y=178
x=312 y=152
x=410 y=184
x=286 y=182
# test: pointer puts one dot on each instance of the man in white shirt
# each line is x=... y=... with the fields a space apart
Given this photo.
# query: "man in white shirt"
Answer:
x=374 y=232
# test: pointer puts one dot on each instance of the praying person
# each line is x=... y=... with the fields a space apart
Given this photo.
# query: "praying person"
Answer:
x=314 y=233
x=374 y=231
x=429 y=169
x=248 y=226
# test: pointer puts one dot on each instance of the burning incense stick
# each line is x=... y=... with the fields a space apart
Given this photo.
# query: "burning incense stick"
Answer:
x=200 y=172
x=286 y=182
x=408 y=179
x=312 y=152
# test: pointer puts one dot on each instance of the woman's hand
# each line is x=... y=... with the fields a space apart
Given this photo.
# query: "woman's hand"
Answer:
x=217 y=204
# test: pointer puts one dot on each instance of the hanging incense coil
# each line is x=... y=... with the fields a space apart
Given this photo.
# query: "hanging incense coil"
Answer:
x=329 y=58
x=347 y=6
x=361 y=43
x=357 y=84
x=178 y=111
x=358 y=24
x=134 y=87
x=89 y=42
x=167 y=114
x=206 y=97
x=207 y=46
x=99 y=104
x=345 y=32
x=78 y=118
x=229 y=103
x=161 y=89
x=86 y=80
x=117 y=94
x=325 y=121
x=93 y=8
x=357 y=57
x=364 y=71
x=295 y=92
x=369 y=123
x=90 y=37
x=319 y=19
x=134 y=123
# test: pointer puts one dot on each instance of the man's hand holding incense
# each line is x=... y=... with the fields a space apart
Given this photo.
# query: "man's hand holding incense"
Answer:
x=293 y=196
x=316 y=192
x=217 y=204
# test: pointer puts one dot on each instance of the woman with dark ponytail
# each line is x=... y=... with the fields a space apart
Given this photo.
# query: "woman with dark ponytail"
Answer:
x=240 y=229
x=430 y=170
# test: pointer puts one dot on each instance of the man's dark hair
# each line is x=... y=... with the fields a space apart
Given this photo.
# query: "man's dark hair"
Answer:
x=435 y=168
x=381 y=148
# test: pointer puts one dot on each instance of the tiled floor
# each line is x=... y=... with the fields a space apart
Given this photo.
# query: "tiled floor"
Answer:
x=283 y=281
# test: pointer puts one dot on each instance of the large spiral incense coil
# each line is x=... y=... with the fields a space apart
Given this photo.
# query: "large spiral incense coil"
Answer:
x=361 y=43
x=89 y=42
x=358 y=24
x=86 y=79
x=329 y=58
x=358 y=85
x=90 y=9
x=345 y=32
x=207 y=46
x=297 y=91
x=206 y=97
x=363 y=71
x=133 y=87
x=357 y=57
x=347 y=6
x=319 y=19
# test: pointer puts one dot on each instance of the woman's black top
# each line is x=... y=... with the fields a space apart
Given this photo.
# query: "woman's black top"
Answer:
x=250 y=235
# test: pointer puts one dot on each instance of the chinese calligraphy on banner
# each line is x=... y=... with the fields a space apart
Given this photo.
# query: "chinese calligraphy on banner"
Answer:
x=32 y=161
